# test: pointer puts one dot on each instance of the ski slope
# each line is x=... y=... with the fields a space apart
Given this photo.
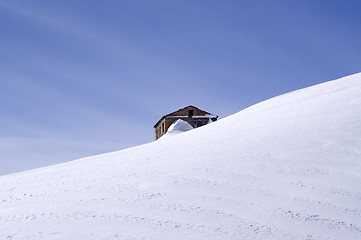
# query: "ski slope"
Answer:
x=286 y=168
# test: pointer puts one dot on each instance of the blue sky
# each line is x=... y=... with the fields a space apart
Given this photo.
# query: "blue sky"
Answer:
x=79 y=78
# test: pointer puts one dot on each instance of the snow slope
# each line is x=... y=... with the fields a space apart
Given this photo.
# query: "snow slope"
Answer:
x=286 y=168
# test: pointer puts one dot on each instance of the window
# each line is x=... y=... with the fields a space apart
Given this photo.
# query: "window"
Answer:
x=198 y=124
x=190 y=113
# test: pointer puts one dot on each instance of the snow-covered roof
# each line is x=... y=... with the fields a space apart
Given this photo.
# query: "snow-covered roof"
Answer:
x=170 y=115
x=205 y=116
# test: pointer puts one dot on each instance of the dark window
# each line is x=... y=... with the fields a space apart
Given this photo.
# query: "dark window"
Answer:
x=190 y=113
x=198 y=124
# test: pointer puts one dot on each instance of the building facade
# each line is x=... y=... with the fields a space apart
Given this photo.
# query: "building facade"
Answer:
x=193 y=115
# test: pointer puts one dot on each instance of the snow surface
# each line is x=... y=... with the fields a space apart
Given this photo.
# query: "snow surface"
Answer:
x=179 y=126
x=286 y=168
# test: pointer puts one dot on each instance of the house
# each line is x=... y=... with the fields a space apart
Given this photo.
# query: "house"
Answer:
x=193 y=115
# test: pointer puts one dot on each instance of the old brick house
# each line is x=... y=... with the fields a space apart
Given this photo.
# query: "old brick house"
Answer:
x=193 y=115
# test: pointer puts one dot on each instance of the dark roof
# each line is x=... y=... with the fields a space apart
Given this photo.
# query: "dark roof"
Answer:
x=177 y=111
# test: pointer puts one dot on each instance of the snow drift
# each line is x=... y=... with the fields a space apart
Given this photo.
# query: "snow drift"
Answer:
x=286 y=168
x=177 y=127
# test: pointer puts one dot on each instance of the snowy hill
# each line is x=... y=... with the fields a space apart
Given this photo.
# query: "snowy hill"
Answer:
x=286 y=168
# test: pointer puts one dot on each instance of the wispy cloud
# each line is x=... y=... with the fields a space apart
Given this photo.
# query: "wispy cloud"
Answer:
x=127 y=65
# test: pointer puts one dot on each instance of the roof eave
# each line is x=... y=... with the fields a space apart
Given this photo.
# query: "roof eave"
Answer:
x=159 y=121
